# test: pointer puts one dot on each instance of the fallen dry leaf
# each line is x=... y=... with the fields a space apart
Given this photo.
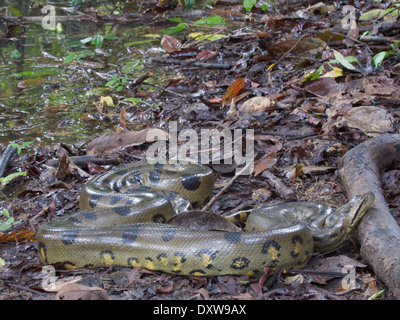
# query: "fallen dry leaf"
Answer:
x=75 y=291
x=19 y=236
x=122 y=139
x=267 y=161
x=170 y=44
x=372 y=120
x=255 y=104
x=233 y=90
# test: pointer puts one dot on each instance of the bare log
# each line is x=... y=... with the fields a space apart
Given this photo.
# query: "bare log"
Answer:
x=378 y=232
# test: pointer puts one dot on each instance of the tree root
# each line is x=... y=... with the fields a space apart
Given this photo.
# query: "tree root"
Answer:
x=378 y=232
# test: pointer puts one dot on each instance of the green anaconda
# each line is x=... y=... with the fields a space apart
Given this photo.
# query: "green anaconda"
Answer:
x=122 y=223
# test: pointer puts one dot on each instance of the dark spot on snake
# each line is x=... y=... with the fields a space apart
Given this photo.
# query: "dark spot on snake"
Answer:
x=317 y=239
x=195 y=204
x=197 y=272
x=207 y=255
x=333 y=236
x=129 y=235
x=170 y=172
x=161 y=255
x=181 y=255
x=296 y=240
x=206 y=200
x=106 y=255
x=114 y=200
x=159 y=165
x=94 y=200
x=133 y=261
x=154 y=177
x=88 y=266
x=122 y=211
x=69 y=236
x=169 y=234
x=74 y=220
x=159 y=218
x=232 y=237
x=90 y=215
x=191 y=182
x=240 y=263
x=271 y=247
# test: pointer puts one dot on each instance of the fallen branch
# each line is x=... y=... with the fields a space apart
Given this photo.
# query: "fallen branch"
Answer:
x=378 y=232
x=193 y=63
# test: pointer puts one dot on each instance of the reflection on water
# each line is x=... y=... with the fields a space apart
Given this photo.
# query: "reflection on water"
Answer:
x=43 y=99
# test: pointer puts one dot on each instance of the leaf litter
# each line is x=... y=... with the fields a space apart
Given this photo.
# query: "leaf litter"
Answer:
x=308 y=104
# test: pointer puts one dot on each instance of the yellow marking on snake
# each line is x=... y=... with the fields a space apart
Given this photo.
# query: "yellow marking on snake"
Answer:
x=116 y=226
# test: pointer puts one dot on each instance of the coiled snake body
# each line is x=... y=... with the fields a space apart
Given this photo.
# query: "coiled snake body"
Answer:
x=124 y=215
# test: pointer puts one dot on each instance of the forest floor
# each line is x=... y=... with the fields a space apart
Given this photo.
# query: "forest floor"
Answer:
x=322 y=89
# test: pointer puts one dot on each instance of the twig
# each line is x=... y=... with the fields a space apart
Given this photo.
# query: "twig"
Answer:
x=142 y=78
x=11 y=284
x=193 y=63
x=228 y=185
x=287 y=52
x=164 y=89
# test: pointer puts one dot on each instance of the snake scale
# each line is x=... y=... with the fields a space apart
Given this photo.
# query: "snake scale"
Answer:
x=122 y=223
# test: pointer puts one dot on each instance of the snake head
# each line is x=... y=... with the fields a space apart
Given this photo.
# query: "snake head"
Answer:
x=359 y=205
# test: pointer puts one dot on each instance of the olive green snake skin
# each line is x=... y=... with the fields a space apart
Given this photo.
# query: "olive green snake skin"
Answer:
x=122 y=223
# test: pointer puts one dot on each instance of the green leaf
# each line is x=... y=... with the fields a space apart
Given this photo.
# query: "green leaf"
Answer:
x=178 y=20
x=97 y=40
x=376 y=295
x=339 y=57
x=137 y=100
x=69 y=57
x=249 y=4
x=26 y=143
x=15 y=11
x=211 y=21
x=175 y=29
x=110 y=36
x=377 y=60
x=15 y=54
x=5 y=180
x=188 y=4
x=110 y=83
x=6 y=213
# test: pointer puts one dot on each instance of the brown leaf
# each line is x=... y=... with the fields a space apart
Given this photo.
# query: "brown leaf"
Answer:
x=309 y=46
x=122 y=139
x=22 y=235
x=233 y=90
x=255 y=104
x=206 y=55
x=170 y=44
x=267 y=161
x=75 y=291
x=123 y=117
